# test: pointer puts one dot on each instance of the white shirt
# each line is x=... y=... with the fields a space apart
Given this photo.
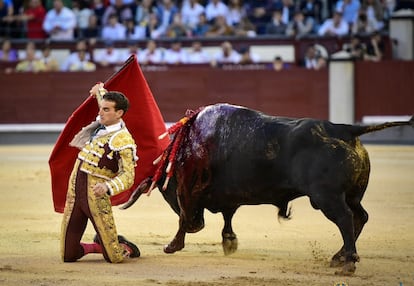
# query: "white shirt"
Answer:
x=200 y=57
x=113 y=127
x=110 y=128
x=112 y=57
x=66 y=20
x=73 y=59
x=126 y=54
x=116 y=32
x=174 y=57
x=191 y=14
x=139 y=33
x=328 y=25
x=311 y=63
x=234 y=16
x=212 y=10
x=233 y=58
x=82 y=17
x=152 y=58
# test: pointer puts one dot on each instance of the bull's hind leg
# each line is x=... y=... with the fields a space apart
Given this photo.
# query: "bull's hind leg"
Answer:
x=336 y=210
x=229 y=241
x=360 y=219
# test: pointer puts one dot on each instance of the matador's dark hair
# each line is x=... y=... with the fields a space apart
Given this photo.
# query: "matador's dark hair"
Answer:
x=121 y=101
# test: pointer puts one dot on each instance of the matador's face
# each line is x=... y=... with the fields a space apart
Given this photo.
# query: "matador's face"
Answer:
x=107 y=113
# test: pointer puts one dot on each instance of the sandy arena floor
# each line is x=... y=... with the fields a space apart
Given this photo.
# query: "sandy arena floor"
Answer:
x=295 y=252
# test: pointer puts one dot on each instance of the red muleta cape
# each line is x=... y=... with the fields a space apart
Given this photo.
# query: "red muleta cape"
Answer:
x=143 y=120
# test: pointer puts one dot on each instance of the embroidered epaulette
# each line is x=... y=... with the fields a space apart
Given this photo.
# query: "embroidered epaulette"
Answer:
x=121 y=140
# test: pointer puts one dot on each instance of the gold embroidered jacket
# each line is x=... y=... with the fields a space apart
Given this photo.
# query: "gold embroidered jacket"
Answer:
x=112 y=157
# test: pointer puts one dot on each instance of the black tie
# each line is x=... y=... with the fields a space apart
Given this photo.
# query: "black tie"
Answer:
x=100 y=127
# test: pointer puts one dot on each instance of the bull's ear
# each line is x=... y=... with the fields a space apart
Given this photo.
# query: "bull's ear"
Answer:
x=142 y=188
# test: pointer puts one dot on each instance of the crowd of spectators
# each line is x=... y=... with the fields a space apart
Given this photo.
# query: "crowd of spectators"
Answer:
x=85 y=58
x=153 y=19
x=85 y=22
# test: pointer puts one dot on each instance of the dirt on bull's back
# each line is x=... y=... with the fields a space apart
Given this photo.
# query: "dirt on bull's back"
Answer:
x=270 y=252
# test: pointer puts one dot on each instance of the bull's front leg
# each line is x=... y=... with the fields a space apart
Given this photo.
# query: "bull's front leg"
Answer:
x=178 y=242
x=229 y=241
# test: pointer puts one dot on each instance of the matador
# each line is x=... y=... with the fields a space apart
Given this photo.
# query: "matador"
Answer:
x=105 y=166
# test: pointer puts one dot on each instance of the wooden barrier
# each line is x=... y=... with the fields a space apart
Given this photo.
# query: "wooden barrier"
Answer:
x=383 y=88
x=52 y=97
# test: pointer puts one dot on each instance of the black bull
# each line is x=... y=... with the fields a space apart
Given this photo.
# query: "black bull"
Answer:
x=230 y=156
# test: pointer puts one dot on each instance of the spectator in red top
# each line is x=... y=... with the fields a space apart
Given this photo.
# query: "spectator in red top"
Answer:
x=34 y=16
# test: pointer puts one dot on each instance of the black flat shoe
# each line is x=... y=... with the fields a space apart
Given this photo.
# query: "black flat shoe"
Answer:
x=134 y=250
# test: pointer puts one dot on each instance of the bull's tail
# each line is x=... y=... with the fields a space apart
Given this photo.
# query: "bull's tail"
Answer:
x=360 y=130
x=142 y=188
x=167 y=160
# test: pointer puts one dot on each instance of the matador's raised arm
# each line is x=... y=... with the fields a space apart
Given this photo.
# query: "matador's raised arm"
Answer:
x=98 y=91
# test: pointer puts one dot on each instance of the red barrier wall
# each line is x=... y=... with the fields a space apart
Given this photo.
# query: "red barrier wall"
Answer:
x=384 y=88
x=52 y=97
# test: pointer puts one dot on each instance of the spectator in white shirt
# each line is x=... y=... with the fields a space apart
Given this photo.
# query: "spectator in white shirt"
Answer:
x=313 y=59
x=216 y=8
x=191 y=12
x=175 y=54
x=227 y=55
x=107 y=56
x=197 y=55
x=81 y=47
x=60 y=22
x=133 y=49
x=150 y=55
x=82 y=14
x=236 y=12
x=335 y=26
x=132 y=31
x=82 y=63
x=114 y=30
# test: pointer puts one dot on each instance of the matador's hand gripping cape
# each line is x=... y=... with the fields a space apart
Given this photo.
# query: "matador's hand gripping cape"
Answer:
x=143 y=120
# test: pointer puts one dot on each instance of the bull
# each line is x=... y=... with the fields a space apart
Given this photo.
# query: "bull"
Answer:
x=226 y=156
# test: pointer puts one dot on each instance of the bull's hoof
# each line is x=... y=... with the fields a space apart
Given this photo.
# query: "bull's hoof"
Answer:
x=229 y=243
x=347 y=270
x=171 y=248
x=337 y=261
x=168 y=249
